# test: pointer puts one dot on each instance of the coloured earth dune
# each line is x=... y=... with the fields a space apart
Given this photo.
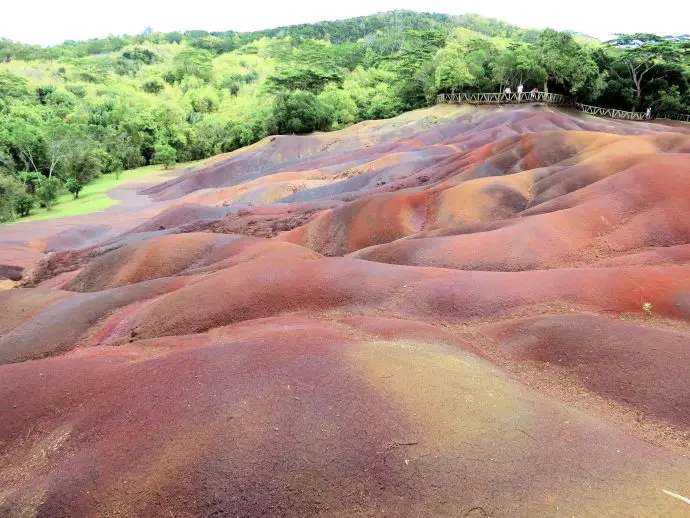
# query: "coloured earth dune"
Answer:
x=461 y=311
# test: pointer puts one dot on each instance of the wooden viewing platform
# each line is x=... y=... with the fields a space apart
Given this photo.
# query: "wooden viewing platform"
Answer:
x=549 y=98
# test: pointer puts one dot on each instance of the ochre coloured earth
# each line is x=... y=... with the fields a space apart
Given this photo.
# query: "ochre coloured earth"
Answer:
x=458 y=312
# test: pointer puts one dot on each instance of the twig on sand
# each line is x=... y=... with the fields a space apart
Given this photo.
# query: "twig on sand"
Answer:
x=676 y=495
x=29 y=434
x=527 y=434
x=171 y=513
x=394 y=444
x=405 y=443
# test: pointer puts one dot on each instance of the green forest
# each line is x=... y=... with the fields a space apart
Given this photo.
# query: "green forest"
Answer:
x=75 y=111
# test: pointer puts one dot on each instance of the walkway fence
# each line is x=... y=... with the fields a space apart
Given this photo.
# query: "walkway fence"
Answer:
x=676 y=116
x=512 y=98
x=548 y=98
x=611 y=113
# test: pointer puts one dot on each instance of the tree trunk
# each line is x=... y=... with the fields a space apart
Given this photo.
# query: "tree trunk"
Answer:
x=638 y=98
x=546 y=85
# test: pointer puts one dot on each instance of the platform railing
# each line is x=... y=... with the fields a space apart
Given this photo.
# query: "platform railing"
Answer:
x=503 y=98
x=676 y=116
x=548 y=98
x=612 y=113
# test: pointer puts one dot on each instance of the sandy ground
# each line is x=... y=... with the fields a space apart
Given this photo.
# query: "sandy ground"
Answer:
x=458 y=312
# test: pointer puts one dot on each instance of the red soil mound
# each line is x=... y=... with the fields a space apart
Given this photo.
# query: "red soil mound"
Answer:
x=61 y=324
x=176 y=216
x=643 y=367
x=270 y=287
x=655 y=256
x=77 y=237
x=199 y=356
x=296 y=417
x=640 y=207
x=174 y=254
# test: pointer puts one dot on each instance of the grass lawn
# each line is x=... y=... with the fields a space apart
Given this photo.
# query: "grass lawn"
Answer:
x=94 y=196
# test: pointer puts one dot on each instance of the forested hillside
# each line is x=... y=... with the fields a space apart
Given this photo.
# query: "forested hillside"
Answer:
x=74 y=111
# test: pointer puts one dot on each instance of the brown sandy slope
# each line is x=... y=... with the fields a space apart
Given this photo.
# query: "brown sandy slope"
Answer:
x=457 y=312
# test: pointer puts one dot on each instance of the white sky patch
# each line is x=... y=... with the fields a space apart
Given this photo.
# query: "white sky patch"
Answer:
x=48 y=22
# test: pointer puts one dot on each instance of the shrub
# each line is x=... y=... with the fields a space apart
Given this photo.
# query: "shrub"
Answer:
x=116 y=166
x=299 y=112
x=44 y=92
x=74 y=186
x=23 y=205
x=164 y=154
x=47 y=192
x=10 y=190
x=141 y=55
x=154 y=86
x=78 y=90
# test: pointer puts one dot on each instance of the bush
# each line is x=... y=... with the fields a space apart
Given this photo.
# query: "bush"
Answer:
x=193 y=62
x=142 y=55
x=299 y=112
x=47 y=192
x=164 y=154
x=44 y=92
x=116 y=166
x=154 y=86
x=30 y=179
x=23 y=205
x=203 y=100
x=78 y=90
x=86 y=164
x=233 y=82
x=12 y=86
x=10 y=190
x=74 y=186
x=250 y=77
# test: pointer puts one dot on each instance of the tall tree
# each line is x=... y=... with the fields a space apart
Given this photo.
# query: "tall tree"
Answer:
x=564 y=61
x=643 y=55
x=304 y=78
x=517 y=64
x=193 y=62
x=452 y=72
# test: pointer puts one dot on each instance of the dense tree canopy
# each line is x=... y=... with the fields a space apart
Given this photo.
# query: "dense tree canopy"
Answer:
x=646 y=58
x=71 y=112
